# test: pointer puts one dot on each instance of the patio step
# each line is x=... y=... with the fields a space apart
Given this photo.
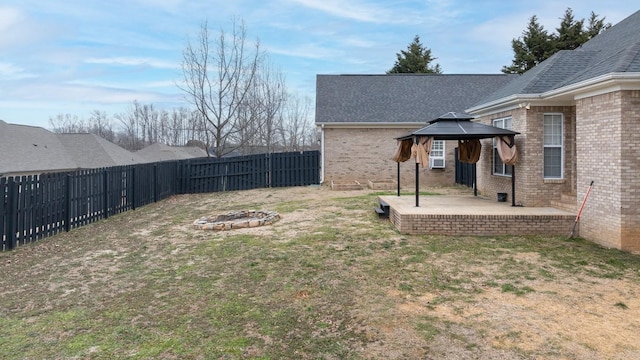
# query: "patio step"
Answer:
x=567 y=202
x=383 y=209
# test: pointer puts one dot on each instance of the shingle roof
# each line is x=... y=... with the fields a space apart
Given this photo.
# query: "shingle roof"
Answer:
x=616 y=50
x=161 y=152
x=91 y=151
x=29 y=148
x=399 y=98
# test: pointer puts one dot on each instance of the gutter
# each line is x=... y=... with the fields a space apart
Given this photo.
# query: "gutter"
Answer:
x=586 y=86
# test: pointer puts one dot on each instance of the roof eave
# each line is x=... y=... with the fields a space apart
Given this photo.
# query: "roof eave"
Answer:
x=371 y=125
x=609 y=82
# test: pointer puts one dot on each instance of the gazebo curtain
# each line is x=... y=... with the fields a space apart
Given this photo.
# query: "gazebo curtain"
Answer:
x=403 y=152
x=506 y=147
x=408 y=148
x=469 y=150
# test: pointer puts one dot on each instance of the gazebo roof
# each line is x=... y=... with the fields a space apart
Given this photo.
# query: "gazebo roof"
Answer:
x=458 y=126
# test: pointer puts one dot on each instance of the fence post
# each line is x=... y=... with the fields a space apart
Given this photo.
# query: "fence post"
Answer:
x=155 y=182
x=67 y=207
x=12 y=213
x=133 y=188
x=105 y=188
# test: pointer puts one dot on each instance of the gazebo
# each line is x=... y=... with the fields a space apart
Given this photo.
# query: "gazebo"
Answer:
x=456 y=126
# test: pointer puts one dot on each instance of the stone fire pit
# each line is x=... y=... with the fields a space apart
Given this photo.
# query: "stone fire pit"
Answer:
x=236 y=220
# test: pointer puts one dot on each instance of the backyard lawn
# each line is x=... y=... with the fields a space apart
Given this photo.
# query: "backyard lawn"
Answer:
x=329 y=280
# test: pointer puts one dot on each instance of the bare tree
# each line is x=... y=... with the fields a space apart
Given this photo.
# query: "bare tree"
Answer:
x=100 y=124
x=217 y=78
x=297 y=131
x=273 y=94
x=67 y=123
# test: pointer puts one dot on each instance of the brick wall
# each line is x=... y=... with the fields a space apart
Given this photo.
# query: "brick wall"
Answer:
x=364 y=154
x=630 y=171
x=599 y=136
x=531 y=187
x=481 y=225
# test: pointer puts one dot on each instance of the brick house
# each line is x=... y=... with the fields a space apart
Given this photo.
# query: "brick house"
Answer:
x=359 y=117
x=578 y=113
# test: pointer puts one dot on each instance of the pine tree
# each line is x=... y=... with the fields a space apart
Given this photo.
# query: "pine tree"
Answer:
x=596 y=26
x=534 y=46
x=570 y=34
x=416 y=59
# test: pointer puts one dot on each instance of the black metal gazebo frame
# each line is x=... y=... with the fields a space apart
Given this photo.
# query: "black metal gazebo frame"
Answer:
x=458 y=126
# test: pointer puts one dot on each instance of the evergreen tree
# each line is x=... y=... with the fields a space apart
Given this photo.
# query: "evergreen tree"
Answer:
x=596 y=26
x=416 y=59
x=570 y=34
x=534 y=46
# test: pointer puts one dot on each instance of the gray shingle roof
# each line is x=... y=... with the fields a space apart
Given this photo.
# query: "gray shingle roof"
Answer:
x=161 y=152
x=399 y=98
x=28 y=148
x=90 y=151
x=617 y=50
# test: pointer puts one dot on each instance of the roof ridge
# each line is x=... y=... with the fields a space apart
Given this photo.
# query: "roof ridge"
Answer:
x=627 y=56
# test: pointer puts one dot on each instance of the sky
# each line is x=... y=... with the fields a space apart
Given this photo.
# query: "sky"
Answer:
x=78 y=56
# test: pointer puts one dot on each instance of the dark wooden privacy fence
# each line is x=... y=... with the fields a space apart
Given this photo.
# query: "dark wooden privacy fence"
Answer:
x=249 y=172
x=33 y=207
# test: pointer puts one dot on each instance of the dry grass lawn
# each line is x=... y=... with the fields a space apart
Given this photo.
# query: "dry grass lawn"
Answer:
x=328 y=281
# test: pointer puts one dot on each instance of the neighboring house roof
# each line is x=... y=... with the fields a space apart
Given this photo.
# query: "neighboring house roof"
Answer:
x=399 y=98
x=31 y=149
x=161 y=152
x=615 y=51
x=27 y=149
x=91 y=151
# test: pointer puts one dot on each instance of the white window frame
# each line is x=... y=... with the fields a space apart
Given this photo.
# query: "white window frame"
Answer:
x=505 y=170
x=556 y=141
x=437 y=154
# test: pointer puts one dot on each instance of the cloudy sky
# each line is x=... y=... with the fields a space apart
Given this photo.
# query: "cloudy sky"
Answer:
x=75 y=56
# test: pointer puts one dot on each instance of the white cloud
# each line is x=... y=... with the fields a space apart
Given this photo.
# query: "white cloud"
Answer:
x=360 y=11
x=133 y=61
x=9 y=17
x=10 y=71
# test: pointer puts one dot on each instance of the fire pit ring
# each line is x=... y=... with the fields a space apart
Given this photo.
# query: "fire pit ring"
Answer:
x=236 y=220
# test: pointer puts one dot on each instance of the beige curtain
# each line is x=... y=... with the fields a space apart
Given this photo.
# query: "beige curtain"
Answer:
x=421 y=150
x=403 y=152
x=507 y=149
x=469 y=150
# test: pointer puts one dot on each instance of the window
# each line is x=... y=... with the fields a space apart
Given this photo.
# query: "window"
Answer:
x=552 y=146
x=436 y=156
x=499 y=168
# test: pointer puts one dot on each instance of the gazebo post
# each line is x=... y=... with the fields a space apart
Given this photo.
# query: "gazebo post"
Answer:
x=398 y=178
x=417 y=184
x=513 y=185
x=415 y=141
x=475 y=181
